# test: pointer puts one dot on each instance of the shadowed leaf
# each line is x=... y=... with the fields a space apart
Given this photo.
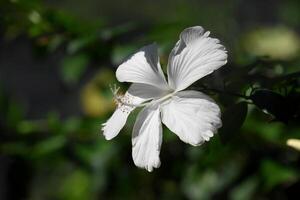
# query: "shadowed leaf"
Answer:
x=233 y=119
x=272 y=103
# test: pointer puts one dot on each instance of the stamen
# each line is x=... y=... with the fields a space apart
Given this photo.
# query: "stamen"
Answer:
x=114 y=89
x=117 y=97
x=122 y=100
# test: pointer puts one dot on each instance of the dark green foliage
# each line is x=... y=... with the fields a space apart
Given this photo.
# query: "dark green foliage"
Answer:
x=233 y=119
x=283 y=108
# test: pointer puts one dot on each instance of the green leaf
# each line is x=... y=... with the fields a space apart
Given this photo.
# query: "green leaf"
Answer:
x=274 y=174
x=76 y=186
x=270 y=132
x=233 y=119
x=49 y=146
x=73 y=67
x=245 y=190
x=71 y=125
x=27 y=127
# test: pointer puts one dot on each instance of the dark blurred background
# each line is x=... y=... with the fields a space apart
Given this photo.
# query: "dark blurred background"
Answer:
x=58 y=58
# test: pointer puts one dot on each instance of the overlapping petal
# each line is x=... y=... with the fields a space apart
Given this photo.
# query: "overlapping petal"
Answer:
x=192 y=116
x=146 y=91
x=143 y=67
x=194 y=56
x=147 y=138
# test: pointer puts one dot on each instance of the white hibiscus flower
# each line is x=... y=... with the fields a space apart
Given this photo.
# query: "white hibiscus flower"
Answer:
x=191 y=115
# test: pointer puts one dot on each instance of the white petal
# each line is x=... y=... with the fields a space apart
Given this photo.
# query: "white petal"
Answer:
x=116 y=122
x=194 y=56
x=192 y=116
x=143 y=67
x=147 y=138
x=136 y=94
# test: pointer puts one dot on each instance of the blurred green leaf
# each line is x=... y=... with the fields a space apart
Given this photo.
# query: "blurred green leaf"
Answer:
x=67 y=22
x=99 y=157
x=48 y=146
x=267 y=131
x=76 y=186
x=73 y=68
x=245 y=190
x=200 y=184
x=274 y=174
x=54 y=123
x=71 y=125
x=27 y=127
